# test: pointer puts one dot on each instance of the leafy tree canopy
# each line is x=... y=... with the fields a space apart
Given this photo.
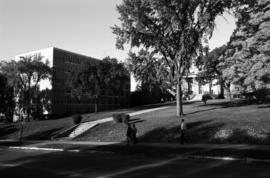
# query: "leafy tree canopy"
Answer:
x=149 y=70
x=248 y=55
x=210 y=64
x=24 y=76
x=171 y=28
x=106 y=77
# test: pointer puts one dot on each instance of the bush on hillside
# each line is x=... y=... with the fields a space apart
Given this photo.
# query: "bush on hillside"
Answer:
x=205 y=97
x=77 y=118
x=121 y=118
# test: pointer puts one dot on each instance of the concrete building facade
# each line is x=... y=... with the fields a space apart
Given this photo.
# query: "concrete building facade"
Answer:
x=64 y=63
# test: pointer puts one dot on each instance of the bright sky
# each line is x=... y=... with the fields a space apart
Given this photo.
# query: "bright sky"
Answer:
x=81 y=26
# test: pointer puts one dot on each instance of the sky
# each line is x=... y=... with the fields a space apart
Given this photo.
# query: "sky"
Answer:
x=81 y=26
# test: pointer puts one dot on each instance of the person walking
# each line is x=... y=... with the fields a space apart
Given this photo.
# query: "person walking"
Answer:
x=183 y=129
x=133 y=134
x=128 y=134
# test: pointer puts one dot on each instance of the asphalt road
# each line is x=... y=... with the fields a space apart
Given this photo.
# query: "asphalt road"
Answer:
x=38 y=164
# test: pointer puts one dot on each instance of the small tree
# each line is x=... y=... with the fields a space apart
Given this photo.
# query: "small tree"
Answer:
x=32 y=70
x=6 y=98
x=24 y=77
x=104 y=77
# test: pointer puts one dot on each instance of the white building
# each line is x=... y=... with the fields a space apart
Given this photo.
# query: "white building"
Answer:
x=195 y=90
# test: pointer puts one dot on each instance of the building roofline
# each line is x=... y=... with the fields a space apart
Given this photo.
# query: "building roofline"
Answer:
x=29 y=52
x=59 y=49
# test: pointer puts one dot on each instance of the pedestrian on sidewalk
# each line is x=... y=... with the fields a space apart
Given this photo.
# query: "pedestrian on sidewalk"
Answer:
x=183 y=129
x=133 y=134
x=128 y=134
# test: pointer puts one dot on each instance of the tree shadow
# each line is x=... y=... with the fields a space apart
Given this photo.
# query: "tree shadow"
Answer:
x=242 y=136
x=43 y=135
x=236 y=103
x=136 y=120
x=100 y=164
x=200 y=111
x=7 y=130
x=206 y=131
x=263 y=107
x=196 y=124
x=197 y=132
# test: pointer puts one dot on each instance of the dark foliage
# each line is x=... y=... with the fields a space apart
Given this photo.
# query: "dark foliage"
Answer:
x=144 y=96
x=121 y=118
x=6 y=99
x=77 y=118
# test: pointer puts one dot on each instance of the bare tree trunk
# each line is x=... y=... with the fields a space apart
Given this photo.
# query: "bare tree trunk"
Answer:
x=179 y=103
x=230 y=95
x=96 y=104
x=28 y=100
x=28 y=109
x=21 y=131
x=210 y=87
x=221 y=88
x=228 y=88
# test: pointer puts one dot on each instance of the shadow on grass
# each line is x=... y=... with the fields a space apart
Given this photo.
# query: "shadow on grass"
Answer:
x=201 y=131
x=136 y=120
x=236 y=103
x=242 y=136
x=200 y=111
x=43 y=135
x=206 y=131
x=263 y=107
x=7 y=130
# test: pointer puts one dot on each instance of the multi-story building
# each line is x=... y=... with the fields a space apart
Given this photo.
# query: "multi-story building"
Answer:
x=195 y=89
x=64 y=63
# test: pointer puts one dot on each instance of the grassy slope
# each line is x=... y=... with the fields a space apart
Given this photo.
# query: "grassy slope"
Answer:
x=43 y=130
x=216 y=122
x=47 y=128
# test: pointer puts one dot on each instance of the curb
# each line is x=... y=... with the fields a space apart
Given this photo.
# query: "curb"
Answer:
x=42 y=149
x=226 y=158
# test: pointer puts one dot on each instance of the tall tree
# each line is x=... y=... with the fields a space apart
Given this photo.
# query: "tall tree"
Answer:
x=248 y=56
x=106 y=77
x=173 y=29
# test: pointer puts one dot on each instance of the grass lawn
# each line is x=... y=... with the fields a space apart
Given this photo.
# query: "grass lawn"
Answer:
x=219 y=121
x=45 y=129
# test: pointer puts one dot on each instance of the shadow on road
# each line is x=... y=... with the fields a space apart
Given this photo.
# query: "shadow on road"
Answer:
x=125 y=162
x=7 y=130
x=44 y=135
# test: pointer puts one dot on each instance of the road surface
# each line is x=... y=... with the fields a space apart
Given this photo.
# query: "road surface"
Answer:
x=95 y=163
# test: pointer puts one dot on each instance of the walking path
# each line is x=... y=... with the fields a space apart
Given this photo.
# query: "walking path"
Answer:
x=83 y=127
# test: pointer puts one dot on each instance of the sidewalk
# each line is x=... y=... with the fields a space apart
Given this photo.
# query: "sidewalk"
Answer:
x=250 y=153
